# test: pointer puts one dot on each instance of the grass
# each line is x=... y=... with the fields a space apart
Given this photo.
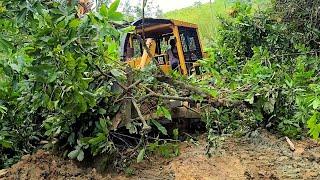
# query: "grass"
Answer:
x=206 y=16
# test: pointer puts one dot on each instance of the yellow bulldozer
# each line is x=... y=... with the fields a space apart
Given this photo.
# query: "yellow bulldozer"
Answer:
x=173 y=44
x=184 y=52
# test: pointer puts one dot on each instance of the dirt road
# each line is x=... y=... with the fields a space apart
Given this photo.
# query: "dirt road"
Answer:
x=259 y=156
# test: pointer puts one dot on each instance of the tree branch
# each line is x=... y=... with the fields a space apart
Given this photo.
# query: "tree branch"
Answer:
x=145 y=127
x=183 y=85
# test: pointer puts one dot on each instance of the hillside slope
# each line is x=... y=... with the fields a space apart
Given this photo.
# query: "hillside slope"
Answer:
x=206 y=15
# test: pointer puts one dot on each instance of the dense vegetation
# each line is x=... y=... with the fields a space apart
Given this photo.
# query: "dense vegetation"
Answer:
x=49 y=86
x=270 y=59
x=58 y=75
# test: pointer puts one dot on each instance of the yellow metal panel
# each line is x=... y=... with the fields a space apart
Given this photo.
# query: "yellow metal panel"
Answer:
x=180 y=50
x=165 y=68
x=141 y=62
x=134 y=62
x=145 y=60
x=137 y=62
x=184 y=24
x=130 y=42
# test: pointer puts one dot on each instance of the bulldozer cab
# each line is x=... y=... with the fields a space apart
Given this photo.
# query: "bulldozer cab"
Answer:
x=158 y=34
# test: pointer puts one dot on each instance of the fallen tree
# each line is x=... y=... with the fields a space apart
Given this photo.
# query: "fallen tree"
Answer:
x=63 y=85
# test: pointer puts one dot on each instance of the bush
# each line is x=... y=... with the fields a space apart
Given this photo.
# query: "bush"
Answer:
x=266 y=59
x=50 y=85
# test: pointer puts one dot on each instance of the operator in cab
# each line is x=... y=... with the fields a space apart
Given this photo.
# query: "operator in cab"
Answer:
x=173 y=54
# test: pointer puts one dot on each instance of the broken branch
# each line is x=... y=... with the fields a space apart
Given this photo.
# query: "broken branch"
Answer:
x=181 y=84
x=292 y=148
x=145 y=127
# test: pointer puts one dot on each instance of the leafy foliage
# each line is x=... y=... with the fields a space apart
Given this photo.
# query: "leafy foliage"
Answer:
x=132 y=10
x=61 y=82
x=268 y=60
x=49 y=85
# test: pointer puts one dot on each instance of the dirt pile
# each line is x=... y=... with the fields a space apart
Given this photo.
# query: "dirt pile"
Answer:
x=43 y=165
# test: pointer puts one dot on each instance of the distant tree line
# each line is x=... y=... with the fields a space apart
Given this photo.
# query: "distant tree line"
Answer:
x=134 y=11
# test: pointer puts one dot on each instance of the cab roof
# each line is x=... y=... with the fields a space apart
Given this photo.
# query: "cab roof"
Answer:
x=153 y=22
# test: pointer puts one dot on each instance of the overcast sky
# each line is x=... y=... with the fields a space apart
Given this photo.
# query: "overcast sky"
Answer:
x=168 y=5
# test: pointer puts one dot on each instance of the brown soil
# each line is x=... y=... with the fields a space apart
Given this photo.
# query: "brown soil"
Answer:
x=43 y=165
x=260 y=156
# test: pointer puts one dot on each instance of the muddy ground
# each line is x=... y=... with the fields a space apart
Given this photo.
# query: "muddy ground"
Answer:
x=261 y=155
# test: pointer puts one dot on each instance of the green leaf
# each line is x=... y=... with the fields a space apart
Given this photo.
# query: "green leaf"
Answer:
x=5 y=45
x=6 y=144
x=57 y=131
x=313 y=126
x=176 y=134
x=117 y=16
x=22 y=16
x=103 y=123
x=315 y=132
x=250 y=99
x=316 y=103
x=114 y=6
x=74 y=23
x=100 y=138
x=102 y=111
x=162 y=129
x=104 y=126
x=116 y=73
x=289 y=82
x=128 y=29
x=74 y=154
x=132 y=128
x=141 y=155
x=163 y=111
x=213 y=92
x=197 y=97
x=104 y=10
x=312 y=121
x=3 y=109
x=80 y=156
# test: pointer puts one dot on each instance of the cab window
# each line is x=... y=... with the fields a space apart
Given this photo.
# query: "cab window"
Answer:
x=190 y=44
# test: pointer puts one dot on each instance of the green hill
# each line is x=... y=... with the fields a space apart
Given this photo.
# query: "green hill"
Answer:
x=206 y=15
